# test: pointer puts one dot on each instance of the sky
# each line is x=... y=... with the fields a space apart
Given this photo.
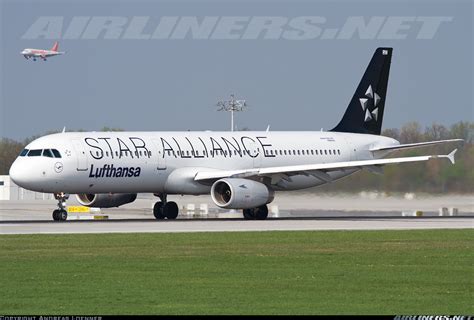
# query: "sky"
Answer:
x=292 y=80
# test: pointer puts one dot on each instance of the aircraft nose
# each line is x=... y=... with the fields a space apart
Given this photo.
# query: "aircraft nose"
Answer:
x=18 y=174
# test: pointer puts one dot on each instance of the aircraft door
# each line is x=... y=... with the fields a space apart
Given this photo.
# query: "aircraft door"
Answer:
x=351 y=149
x=81 y=156
x=161 y=163
x=257 y=154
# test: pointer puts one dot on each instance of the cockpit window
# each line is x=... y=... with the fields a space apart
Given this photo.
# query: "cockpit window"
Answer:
x=35 y=153
x=50 y=153
x=47 y=153
x=56 y=153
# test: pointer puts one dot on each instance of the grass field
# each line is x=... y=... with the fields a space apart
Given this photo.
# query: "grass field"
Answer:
x=332 y=272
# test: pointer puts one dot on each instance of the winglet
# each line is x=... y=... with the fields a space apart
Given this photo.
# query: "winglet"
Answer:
x=451 y=156
x=64 y=130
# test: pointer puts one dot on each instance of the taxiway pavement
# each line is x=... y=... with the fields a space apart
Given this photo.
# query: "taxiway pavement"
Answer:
x=229 y=225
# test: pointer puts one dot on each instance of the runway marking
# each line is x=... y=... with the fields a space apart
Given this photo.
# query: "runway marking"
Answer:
x=235 y=225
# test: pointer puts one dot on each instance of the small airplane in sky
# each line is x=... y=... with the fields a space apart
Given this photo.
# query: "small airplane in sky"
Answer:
x=40 y=53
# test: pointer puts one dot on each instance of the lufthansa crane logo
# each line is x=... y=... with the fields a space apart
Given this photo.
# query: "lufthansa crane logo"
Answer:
x=58 y=167
x=369 y=104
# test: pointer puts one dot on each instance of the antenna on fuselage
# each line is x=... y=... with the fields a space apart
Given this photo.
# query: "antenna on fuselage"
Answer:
x=232 y=105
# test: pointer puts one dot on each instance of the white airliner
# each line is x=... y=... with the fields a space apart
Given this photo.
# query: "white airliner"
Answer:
x=42 y=54
x=240 y=170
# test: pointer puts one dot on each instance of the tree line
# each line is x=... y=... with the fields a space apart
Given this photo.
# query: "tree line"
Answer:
x=433 y=176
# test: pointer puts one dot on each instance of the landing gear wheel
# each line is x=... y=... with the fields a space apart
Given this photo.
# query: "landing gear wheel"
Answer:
x=248 y=214
x=62 y=215
x=59 y=215
x=171 y=210
x=56 y=215
x=158 y=210
x=261 y=213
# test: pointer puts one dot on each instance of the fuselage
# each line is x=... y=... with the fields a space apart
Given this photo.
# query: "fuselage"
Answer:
x=39 y=53
x=166 y=162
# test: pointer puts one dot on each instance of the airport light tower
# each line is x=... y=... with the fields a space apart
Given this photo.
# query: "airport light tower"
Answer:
x=232 y=105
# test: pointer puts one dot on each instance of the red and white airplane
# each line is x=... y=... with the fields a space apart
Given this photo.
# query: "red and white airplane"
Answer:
x=43 y=54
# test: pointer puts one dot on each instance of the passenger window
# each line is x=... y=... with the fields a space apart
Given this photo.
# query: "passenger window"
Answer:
x=24 y=152
x=339 y=152
x=316 y=152
x=35 y=153
x=312 y=152
x=325 y=152
x=47 y=153
x=298 y=152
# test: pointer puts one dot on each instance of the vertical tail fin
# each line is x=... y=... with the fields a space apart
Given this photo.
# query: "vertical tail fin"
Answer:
x=55 y=46
x=365 y=111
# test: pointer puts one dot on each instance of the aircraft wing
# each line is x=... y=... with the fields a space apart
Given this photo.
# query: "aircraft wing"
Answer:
x=318 y=170
x=413 y=145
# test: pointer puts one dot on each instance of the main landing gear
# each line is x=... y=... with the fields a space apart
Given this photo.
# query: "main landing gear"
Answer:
x=164 y=209
x=259 y=213
x=60 y=214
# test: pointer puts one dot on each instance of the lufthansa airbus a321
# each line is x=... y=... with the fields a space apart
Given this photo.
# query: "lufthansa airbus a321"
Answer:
x=240 y=170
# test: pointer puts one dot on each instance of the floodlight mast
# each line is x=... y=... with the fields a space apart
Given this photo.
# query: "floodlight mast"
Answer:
x=232 y=105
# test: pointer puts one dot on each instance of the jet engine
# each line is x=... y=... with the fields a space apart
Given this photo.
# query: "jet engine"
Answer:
x=105 y=200
x=236 y=193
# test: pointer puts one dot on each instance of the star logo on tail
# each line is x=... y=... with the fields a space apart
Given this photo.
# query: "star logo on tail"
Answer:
x=369 y=104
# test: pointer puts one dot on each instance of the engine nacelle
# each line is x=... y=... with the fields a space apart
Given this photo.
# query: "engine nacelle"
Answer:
x=236 y=193
x=105 y=200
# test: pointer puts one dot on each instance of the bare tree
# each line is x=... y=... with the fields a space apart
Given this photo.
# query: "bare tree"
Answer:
x=436 y=132
x=411 y=133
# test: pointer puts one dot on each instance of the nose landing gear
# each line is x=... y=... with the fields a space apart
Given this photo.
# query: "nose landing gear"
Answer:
x=60 y=214
x=164 y=209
